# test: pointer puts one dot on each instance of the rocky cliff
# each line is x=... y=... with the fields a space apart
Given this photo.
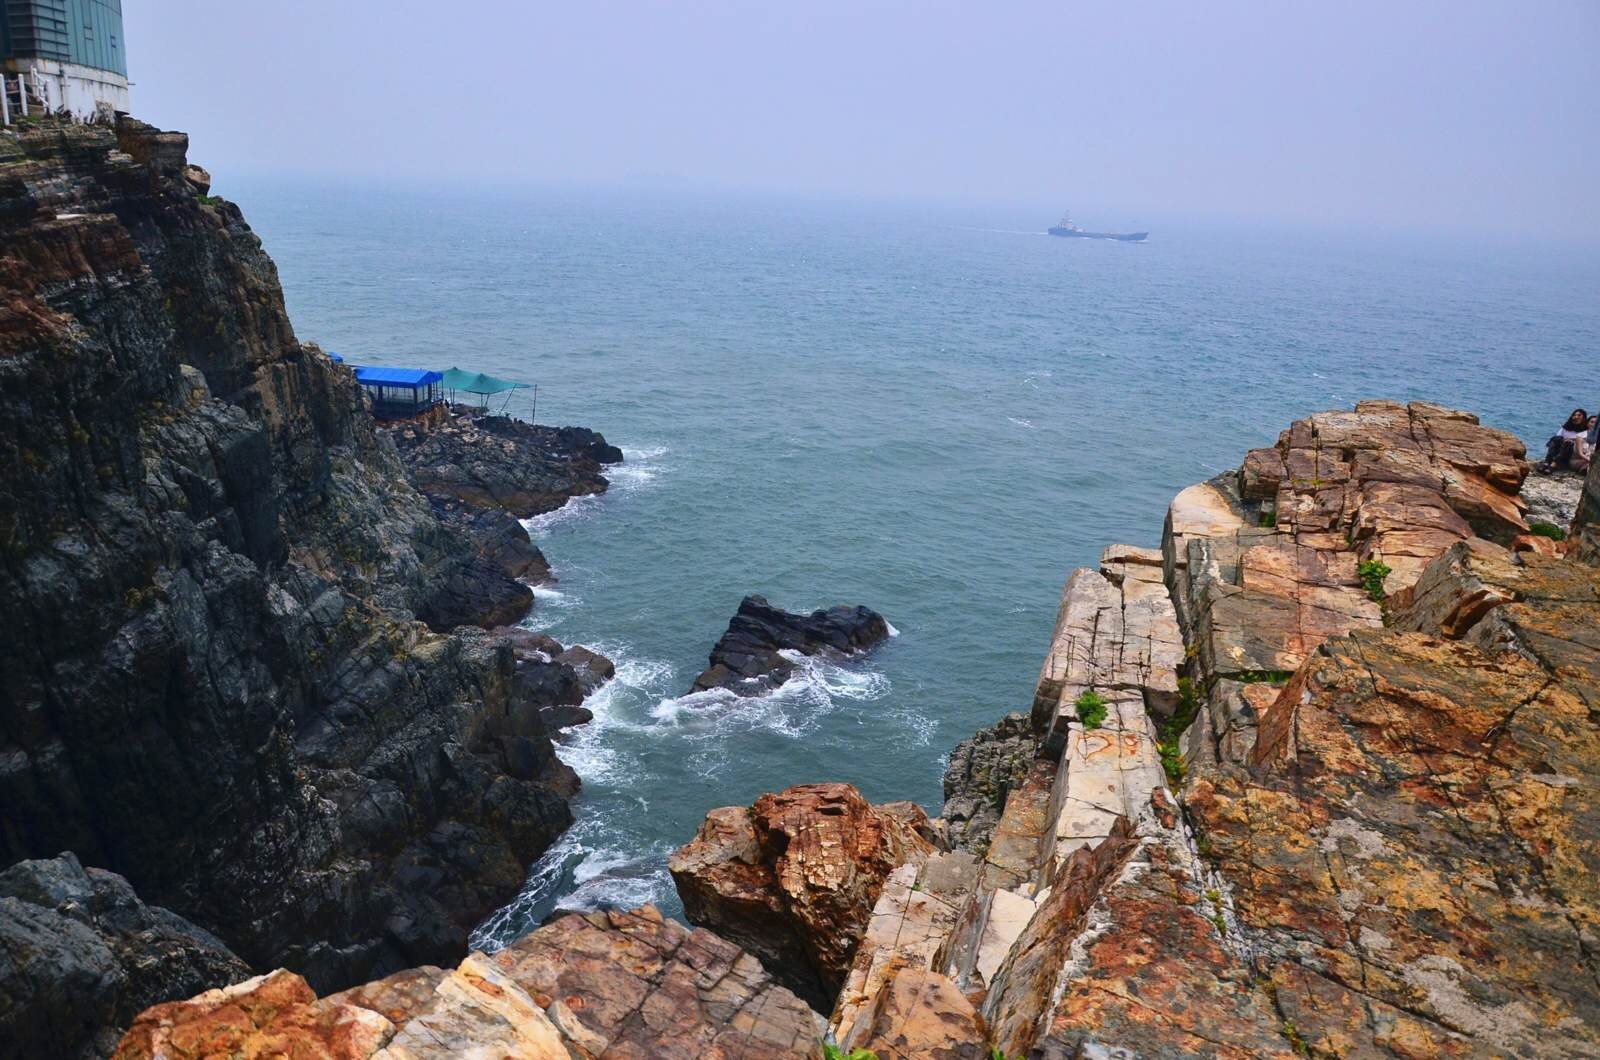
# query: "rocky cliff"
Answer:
x=215 y=683
x=1318 y=777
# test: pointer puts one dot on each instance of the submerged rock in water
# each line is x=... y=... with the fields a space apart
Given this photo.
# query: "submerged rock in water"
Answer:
x=621 y=984
x=794 y=877
x=81 y=956
x=748 y=658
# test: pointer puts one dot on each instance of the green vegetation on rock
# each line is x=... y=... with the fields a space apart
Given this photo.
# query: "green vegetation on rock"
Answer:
x=1091 y=708
x=1372 y=572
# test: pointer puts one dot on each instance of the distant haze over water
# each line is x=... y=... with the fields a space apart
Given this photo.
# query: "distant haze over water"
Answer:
x=932 y=411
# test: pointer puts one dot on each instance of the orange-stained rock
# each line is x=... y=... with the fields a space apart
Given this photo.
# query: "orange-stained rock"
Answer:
x=1386 y=483
x=794 y=877
x=920 y=1015
x=598 y=985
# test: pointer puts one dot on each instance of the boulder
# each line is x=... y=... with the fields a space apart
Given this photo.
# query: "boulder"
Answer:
x=617 y=984
x=794 y=878
x=83 y=956
x=748 y=658
x=592 y=668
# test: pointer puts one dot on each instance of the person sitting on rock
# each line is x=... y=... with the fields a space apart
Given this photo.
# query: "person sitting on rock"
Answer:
x=1585 y=446
x=1562 y=448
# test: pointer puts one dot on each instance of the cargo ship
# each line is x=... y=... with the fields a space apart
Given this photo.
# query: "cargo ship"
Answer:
x=1068 y=227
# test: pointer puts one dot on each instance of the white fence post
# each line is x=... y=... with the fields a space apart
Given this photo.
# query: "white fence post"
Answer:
x=22 y=91
x=5 y=101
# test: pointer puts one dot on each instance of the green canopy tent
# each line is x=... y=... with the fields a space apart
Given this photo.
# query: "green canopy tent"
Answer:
x=483 y=385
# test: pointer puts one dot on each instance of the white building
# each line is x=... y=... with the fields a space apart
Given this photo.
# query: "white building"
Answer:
x=60 y=55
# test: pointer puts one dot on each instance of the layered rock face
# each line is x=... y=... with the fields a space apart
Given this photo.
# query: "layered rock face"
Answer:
x=794 y=878
x=82 y=956
x=215 y=685
x=601 y=985
x=1310 y=536
x=748 y=659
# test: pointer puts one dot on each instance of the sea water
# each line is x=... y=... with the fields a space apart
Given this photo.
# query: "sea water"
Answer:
x=937 y=412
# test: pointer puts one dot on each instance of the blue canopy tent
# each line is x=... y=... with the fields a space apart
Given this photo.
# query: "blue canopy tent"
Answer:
x=400 y=393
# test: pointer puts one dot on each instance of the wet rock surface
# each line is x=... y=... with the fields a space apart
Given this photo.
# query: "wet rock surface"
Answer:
x=81 y=956
x=215 y=683
x=601 y=985
x=793 y=878
x=748 y=659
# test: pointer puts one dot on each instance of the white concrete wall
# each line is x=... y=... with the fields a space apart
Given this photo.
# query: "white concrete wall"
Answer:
x=82 y=90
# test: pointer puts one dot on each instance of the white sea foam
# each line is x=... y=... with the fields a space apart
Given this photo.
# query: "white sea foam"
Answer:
x=817 y=688
x=1021 y=422
x=893 y=632
x=579 y=872
x=638 y=469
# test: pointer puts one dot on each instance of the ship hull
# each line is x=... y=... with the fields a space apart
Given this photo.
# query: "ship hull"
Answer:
x=1121 y=237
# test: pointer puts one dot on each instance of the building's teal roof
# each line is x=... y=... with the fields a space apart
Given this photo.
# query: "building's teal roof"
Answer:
x=85 y=32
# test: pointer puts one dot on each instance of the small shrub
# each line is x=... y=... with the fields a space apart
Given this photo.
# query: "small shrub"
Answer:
x=833 y=1052
x=1269 y=519
x=1091 y=708
x=1550 y=530
x=1263 y=677
x=1372 y=572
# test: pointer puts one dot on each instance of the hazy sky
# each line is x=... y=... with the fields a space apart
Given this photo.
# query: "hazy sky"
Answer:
x=1460 y=114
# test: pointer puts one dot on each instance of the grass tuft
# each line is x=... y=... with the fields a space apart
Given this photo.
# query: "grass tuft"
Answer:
x=1091 y=708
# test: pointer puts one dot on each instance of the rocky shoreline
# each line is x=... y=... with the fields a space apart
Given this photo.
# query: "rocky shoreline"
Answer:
x=1318 y=776
x=1314 y=778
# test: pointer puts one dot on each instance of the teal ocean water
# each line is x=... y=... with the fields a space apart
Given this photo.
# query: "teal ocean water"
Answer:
x=936 y=412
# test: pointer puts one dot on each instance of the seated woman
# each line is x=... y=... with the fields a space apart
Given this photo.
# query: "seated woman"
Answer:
x=1562 y=449
x=1584 y=449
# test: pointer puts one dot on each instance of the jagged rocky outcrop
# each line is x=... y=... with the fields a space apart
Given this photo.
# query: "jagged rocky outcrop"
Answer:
x=496 y=462
x=215 y=682
x=81 y=956
x=1371 y=841
x=555 y=679
x=979 y=778
x=600 y=985
x=748 y=659
x=793 y=878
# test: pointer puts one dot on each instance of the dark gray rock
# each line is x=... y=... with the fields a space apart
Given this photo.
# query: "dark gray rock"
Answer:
x=80 y=956
x=498 y=462
x=211 y=561
x=499 y=538
x=746 y=659
x=592 y=668
x=981 y=774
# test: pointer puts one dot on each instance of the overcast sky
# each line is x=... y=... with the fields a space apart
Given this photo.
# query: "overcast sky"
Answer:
x=1460 y=114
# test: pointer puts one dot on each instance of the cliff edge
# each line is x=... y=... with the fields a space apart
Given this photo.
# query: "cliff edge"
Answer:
x=215 y=683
